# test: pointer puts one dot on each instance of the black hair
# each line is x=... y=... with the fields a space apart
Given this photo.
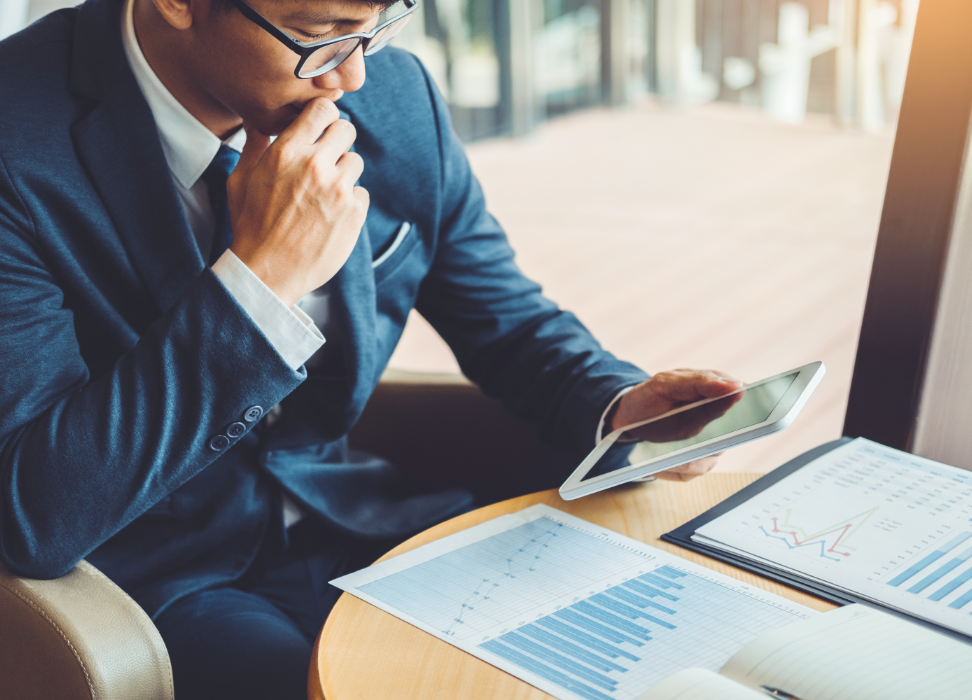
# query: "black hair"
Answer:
x=218 y=6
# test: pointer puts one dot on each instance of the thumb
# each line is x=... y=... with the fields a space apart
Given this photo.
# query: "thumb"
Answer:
x=715 y=385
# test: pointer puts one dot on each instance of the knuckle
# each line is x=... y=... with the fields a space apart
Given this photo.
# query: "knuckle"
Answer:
x=340 y=135
x=344 y=128
x=325 y=108
x=320 y=168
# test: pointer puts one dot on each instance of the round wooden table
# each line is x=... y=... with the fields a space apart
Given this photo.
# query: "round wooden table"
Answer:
x=363 y=653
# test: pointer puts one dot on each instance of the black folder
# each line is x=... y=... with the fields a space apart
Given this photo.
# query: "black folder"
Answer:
x=682 y=536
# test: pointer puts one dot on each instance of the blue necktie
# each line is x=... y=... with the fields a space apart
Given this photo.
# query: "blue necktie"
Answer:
x=215 y=178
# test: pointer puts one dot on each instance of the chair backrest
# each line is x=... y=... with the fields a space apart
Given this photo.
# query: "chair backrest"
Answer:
x=442 y=430
x=78 y=637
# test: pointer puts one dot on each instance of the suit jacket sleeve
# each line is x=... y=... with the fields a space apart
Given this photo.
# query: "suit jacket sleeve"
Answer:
x=508 y=338
x=82 y=456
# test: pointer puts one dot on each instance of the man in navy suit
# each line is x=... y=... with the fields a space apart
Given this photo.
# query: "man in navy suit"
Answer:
x=183 y=356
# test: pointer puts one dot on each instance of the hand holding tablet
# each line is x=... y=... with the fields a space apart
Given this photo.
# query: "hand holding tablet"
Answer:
x=694 y=431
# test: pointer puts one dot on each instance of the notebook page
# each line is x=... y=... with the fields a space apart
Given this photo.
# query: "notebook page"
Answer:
x=856 y=653
x=699 y=684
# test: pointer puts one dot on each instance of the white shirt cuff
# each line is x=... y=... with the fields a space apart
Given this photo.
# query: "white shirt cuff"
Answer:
x=291 y=332
x=600 y=425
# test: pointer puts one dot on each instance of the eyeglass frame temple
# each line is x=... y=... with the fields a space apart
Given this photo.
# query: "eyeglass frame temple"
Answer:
x=305 y=50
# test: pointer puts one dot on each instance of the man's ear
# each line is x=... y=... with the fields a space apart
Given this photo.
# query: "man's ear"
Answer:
x=177 y=13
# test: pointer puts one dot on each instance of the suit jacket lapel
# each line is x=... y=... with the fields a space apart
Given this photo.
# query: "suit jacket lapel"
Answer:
x=119 y=145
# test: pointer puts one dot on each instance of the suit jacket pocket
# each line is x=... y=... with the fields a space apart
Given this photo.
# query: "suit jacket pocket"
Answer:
x=406 y=239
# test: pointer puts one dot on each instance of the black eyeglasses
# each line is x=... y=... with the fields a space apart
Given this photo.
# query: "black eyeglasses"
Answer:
x=320 y=57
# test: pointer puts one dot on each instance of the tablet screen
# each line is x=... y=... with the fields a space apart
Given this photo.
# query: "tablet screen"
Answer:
x=693 y=426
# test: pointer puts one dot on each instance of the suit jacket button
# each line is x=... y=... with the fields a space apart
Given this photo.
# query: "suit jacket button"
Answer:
x=218 y=443
x=253 y=413
x=235 y=430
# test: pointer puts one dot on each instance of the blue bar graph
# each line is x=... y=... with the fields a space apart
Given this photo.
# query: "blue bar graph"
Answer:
x=940 y=572
x=930 y=559
x=586 y=639
x=544 y=671
x=570 y=649
x=628 y=597
x=669 y=572
x=962 y=600
x=953 y=585
x=587 y=648
x=600 y=630
x=641 y=588
x=660 y=582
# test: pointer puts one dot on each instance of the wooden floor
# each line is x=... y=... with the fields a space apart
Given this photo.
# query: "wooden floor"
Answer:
x=712 y=238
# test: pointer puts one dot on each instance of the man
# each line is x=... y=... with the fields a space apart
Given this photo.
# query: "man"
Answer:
x=154 y=313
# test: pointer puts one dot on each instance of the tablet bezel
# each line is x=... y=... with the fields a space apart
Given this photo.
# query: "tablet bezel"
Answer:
x=807 y=379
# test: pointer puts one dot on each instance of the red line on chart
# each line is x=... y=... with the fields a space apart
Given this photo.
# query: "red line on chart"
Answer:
x=822 y=535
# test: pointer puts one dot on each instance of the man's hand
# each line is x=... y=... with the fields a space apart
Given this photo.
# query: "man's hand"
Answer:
x=295 y=211
x=666 y=391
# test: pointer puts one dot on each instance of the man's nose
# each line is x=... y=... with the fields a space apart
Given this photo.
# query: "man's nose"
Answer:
x=349 y=76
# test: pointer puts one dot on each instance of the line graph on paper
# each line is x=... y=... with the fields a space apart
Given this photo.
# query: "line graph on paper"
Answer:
x=472 y=589
x=832 y=541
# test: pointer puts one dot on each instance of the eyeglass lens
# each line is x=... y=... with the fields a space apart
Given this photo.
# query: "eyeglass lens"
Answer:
x=381 y=39
x=328 y=57
x=331 y=56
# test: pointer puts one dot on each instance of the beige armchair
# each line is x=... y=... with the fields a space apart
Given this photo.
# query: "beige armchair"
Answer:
x=81 y=637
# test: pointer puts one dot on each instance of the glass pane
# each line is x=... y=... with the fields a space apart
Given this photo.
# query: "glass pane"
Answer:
x=457 y=41
x=568 y=54
x=694 y=426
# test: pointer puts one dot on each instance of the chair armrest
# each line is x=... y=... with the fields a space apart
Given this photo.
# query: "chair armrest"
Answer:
x=442 y=430
x=79 y=636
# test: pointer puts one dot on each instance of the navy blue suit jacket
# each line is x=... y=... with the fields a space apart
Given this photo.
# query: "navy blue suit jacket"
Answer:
x=123 y=355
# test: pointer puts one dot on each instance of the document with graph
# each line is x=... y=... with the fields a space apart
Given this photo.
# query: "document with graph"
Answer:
x=569 y=607
x=883 y=525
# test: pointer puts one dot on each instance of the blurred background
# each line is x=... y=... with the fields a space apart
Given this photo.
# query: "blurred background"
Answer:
x=701 y=181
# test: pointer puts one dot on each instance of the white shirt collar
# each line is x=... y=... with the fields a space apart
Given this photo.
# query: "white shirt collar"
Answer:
x=189 y=146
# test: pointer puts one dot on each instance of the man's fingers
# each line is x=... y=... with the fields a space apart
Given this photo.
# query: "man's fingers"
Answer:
x=306 y=129
x=350 y=165
x=687 y=472
x=693 y=385
x=336 y=141
x=256 y=144
x=363 y=196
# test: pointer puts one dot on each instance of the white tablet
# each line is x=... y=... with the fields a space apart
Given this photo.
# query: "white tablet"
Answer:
x=694 y=431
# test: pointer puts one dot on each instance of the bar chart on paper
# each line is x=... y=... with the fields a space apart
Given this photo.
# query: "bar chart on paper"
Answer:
x=575 y=610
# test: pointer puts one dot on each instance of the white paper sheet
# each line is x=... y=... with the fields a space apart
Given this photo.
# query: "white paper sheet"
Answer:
x=888 y=526
x=571 y=608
